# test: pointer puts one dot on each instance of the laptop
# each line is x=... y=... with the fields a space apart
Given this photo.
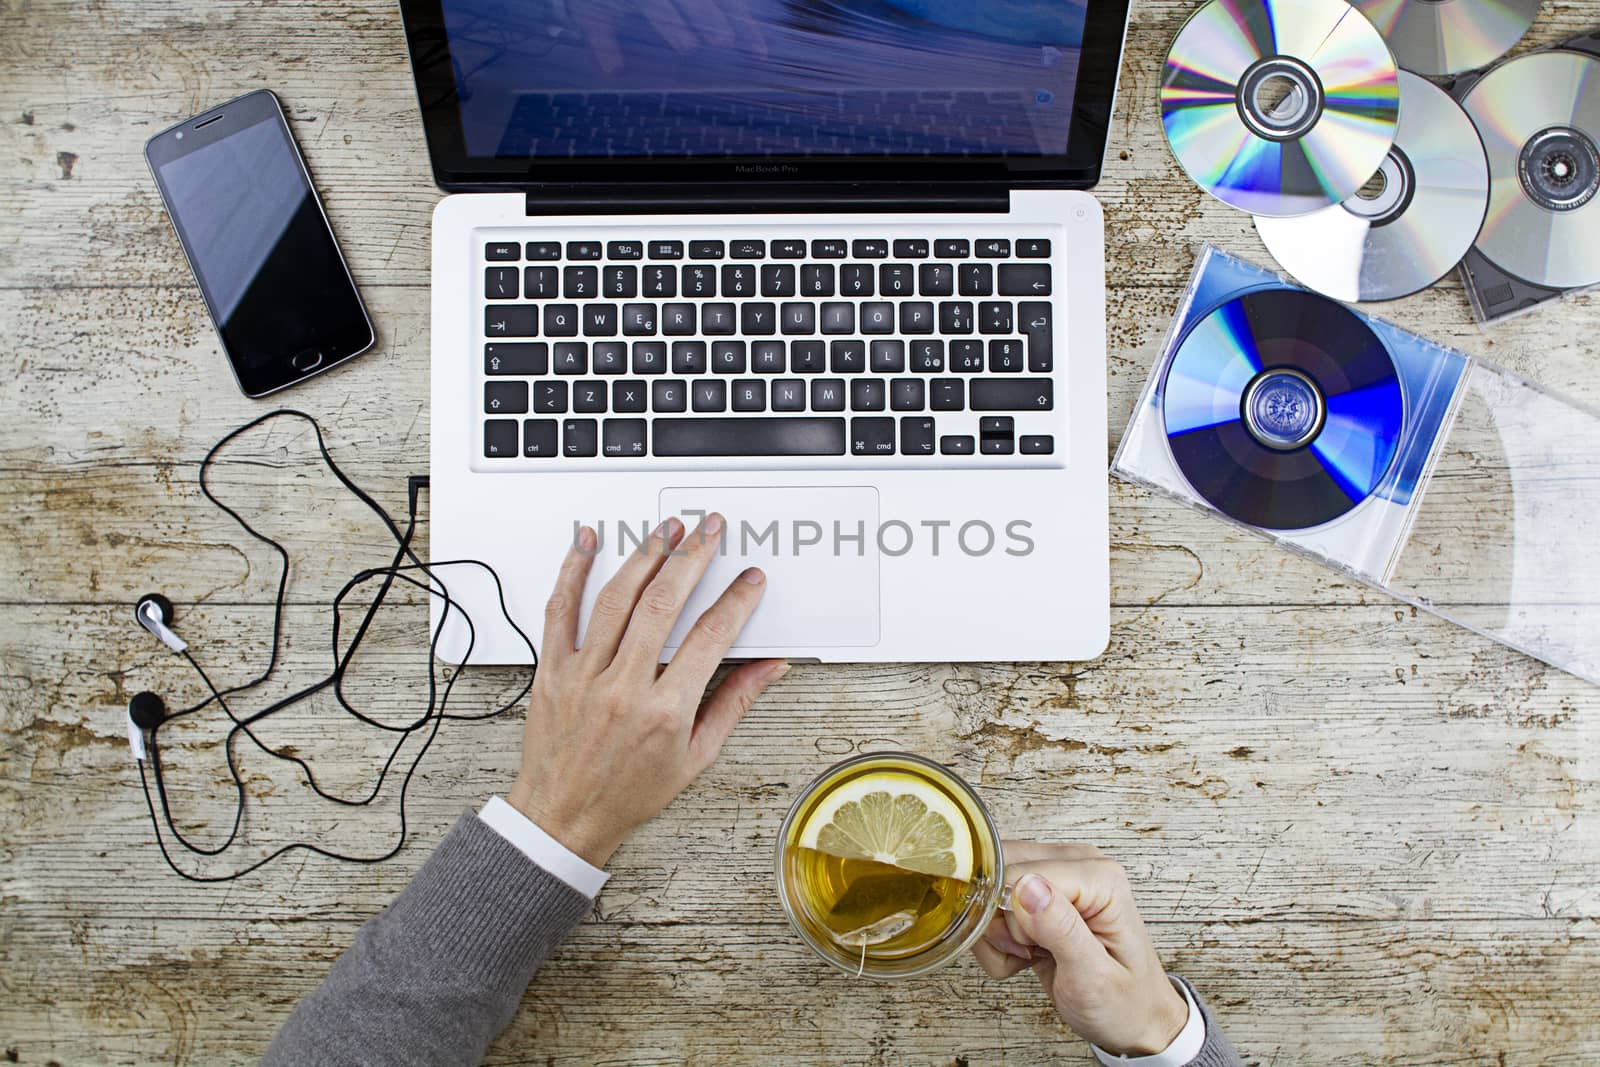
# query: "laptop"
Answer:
x=824 y=266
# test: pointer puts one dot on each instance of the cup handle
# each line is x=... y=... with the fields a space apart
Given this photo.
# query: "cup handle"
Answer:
x=1004 y=903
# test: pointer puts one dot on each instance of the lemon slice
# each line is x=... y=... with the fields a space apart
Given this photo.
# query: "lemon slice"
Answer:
x=895 y=819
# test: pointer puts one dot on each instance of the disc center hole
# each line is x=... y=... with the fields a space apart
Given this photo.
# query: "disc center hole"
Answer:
x=1279 y=97
x=1375 y=187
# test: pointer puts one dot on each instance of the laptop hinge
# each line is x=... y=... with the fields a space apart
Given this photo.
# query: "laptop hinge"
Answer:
x=758 y=199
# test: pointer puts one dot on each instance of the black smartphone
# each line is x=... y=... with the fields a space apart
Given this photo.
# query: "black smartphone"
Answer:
x=254 y=232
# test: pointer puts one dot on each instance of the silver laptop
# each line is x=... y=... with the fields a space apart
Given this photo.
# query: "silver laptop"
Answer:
x=825 y=267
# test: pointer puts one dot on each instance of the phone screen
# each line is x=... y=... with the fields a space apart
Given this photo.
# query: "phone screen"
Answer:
x=261 y=249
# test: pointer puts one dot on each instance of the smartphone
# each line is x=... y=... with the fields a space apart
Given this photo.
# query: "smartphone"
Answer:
x=279 y=293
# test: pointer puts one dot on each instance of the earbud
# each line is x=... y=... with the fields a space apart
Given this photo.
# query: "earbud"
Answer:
x=154 y=613
x=146 y=711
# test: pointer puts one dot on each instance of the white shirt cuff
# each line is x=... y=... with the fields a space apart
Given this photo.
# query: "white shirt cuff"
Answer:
x=524 y=834
x=1185 y=1047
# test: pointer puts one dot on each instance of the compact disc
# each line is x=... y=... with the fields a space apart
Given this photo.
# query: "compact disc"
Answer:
x=1282 y=408
x=1279 y=107
x=1411 y=224
x=1539 y=116
x=1449 y=36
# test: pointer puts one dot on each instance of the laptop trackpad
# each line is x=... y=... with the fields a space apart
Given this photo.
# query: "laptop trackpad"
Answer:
x=819 y=549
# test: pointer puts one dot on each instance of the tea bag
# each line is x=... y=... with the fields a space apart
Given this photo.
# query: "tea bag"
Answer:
x=880 y=907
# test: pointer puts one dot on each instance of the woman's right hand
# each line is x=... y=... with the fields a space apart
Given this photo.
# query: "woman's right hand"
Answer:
x=1073 y=922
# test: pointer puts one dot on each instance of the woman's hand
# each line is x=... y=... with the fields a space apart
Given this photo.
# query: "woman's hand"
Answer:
x=1074 y=923
x=612 y=737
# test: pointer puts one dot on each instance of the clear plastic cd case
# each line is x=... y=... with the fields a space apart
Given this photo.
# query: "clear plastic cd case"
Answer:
x=1438 y=478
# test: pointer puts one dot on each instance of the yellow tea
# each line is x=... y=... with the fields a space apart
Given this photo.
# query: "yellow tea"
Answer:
x=887 y=910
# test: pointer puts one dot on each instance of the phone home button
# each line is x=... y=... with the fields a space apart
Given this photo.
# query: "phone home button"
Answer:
x=308 y=360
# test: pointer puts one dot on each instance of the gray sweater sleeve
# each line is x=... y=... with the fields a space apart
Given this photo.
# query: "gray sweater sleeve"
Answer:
x=1218 y=1051
x=438 y=973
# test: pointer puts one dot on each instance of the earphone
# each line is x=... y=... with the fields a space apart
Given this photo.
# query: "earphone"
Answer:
x=147 y=712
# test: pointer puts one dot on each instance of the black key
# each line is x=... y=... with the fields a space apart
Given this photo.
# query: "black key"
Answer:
x=706 y=250
x=995 y=435
x=916 y=316
x=583 y=249
x=561 y=320
x=541 y=283
x=660 y=281
x=788 y=250
x=869 y=249
x=739 y=279
x=678 y=320
x=1037 y=445
x=750 y=394
x=710 y=394
x=505 y=320
x=727 y=357
x=799 y=318
x=505 y=398
x=788 y=394
x=927 y=357
x=589 y=398
x=829 y=249
x=628 y=396
x=1036 y=248
x=1033 y=319
x=956 y=446
x=599 y=320
x=666 y=249
x=624 y=250
x=500 y=283
x=948 y=394
x=856 y=279
x=570 y=357
x=688 y=357
x=579 y=438
x=816 y=279
x=994 y=316
x=808 y=357
x=500 y=438
x=847 y=357
x=993 y=248
x=1025 y=279
x=699 y=281
x=912 y=249
x=868 y=394
x=649 y=357
x=747 y=250
x=977 y=279
x=758 y=319
x=916 y=436
x=907 y=394
x=955 y=316
x=896 y=279
x=966 y=357
x=952 y=249
x=550 y=398
x=544 y=250
x=1013 y=394
x=936 y=279
x=888 y=357
x=623 y=438
x=749 y=437
x=670 y=395
x=767 y=357
x=580 y=283
x=778 y=279
x=838 y=317
x=610 y=357
x=827 y=394
x=621 y=282
x=997 y=424
x=502 y=250
x=877 y=316
x=520 y=359
x=871 y=437
x=1005 y=356
x=639 y=320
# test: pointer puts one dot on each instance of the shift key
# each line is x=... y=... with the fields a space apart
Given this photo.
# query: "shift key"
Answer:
x=1012 y=394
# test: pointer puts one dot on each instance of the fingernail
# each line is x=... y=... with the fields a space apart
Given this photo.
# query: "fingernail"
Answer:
x=754 y=576
x=778 y=672
x=1033 y=893
x=667 y=528
x=713 y=523
x=586 y=540
x=1008 y=946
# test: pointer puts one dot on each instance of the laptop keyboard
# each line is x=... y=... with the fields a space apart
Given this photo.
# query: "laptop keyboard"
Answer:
x=832 y=351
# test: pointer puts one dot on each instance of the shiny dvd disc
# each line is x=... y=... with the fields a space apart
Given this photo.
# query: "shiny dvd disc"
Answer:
x=1449 y=36
x=1283 y=409
x=1279 y=107
x=1426 y=205
x=1539 y=117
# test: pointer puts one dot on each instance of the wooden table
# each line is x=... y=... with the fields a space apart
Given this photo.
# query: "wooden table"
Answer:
x=1367 y=835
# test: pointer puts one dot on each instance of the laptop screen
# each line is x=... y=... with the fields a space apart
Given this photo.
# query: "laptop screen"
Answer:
x=563 y=79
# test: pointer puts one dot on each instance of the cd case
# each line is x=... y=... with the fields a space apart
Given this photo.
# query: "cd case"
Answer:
x=1483 y=516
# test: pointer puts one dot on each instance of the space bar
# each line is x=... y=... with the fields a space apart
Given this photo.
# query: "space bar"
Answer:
x=749 y=437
